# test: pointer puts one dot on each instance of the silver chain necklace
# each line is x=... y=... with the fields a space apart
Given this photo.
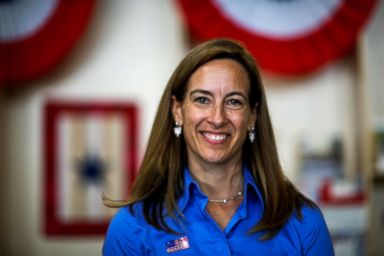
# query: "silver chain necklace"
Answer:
x=226 y=200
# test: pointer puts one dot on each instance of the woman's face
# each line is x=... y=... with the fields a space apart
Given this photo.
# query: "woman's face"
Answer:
x=215 y=113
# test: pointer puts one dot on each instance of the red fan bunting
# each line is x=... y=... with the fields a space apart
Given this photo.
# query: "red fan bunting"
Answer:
x=35 y=36
x=287 y=37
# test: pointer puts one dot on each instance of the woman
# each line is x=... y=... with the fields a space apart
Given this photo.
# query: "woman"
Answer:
x=210 y=182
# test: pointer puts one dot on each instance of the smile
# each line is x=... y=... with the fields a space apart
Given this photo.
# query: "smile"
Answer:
x=216 y=138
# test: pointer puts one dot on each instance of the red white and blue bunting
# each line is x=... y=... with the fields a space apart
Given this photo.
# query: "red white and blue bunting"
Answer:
x=287 y=37
x=36 y=35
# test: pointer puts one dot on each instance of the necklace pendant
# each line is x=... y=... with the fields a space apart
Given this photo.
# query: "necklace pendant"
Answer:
x=225 y=200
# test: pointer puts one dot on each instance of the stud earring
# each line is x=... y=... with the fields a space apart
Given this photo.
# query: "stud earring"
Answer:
x=177 y=129
x=251 y=134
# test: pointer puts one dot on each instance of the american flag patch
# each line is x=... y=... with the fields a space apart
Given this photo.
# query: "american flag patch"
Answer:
x=179 y=244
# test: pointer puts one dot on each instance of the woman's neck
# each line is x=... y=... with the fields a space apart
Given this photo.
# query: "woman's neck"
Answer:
x=218 y=181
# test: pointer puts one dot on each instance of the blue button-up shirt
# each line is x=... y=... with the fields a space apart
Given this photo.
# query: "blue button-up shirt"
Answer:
x=199 y=234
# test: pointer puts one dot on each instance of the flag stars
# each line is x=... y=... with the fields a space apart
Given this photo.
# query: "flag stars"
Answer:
x=91 y=169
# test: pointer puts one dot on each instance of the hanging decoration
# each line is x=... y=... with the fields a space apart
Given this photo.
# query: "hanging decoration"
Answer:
x=90 y=148
x=36 y=35
x=287 y=37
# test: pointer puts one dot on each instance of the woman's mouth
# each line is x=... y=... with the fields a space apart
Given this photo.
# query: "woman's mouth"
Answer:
x=214 y=137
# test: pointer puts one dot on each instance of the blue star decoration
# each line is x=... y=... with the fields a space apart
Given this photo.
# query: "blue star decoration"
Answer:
x=91 y=169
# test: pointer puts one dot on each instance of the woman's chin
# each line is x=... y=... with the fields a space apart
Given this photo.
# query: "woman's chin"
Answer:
x=215 y=159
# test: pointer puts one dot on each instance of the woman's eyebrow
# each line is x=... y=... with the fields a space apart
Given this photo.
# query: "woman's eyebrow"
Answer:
x=208 y=93
x=200 y=91
x=238 y=93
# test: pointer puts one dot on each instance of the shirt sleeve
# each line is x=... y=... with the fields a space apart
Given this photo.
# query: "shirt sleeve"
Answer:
x=122 y=235
x=314 y=233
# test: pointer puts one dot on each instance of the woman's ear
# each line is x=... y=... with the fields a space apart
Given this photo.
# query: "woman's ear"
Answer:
x=176 y=110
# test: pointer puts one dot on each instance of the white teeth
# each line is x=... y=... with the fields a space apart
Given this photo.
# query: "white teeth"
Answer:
x=215 y=137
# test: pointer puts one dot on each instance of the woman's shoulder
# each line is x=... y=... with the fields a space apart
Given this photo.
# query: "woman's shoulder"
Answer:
x=127 y=216
x=309 y=218
x=124 y=228
x=311 y=228
x=310 y=214
x=127 y=221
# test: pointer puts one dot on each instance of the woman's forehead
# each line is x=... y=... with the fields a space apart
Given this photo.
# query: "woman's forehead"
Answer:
x=221 y=76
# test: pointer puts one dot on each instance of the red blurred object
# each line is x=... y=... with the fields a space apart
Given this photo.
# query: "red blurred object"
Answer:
x=36 y=54
x=285 y=54
x=329 y=197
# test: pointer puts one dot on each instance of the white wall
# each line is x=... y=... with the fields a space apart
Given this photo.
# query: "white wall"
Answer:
x=128 y=53
x=315 y=108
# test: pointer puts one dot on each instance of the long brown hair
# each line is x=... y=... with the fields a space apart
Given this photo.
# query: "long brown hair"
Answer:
x=160 y=180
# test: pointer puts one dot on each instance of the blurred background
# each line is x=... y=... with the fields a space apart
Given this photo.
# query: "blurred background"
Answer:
x=80 y=82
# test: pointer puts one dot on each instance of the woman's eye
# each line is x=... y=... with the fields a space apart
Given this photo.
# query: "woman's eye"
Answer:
x=202 y=100
x=234 y=103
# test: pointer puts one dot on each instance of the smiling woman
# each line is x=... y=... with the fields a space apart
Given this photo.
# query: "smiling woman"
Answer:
x=210 y=182
x=216 y=115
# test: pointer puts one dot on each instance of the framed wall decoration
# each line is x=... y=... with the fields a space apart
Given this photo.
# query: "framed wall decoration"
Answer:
x=90 y=148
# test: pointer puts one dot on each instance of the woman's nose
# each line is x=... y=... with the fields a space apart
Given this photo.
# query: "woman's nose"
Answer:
x=217 y=116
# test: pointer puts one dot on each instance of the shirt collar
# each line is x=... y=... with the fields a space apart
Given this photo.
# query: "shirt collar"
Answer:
x=192 y=188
